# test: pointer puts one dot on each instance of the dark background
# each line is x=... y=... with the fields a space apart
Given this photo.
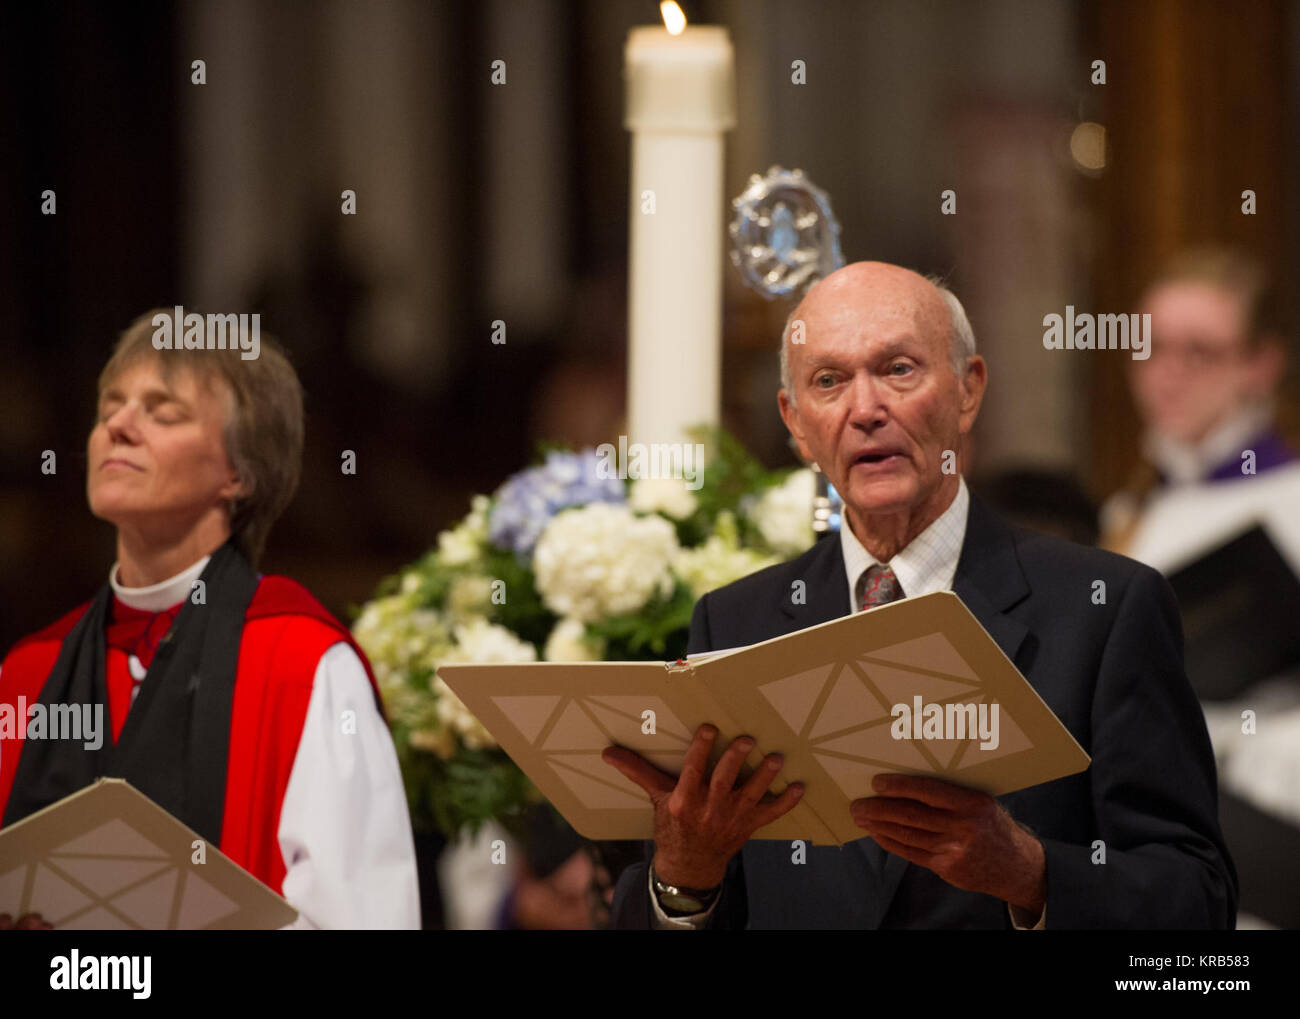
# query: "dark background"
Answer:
x=478 y=203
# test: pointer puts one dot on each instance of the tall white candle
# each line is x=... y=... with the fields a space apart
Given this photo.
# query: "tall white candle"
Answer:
x=680 y=101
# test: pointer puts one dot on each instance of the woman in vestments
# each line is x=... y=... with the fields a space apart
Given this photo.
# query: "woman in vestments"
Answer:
x=235 y=700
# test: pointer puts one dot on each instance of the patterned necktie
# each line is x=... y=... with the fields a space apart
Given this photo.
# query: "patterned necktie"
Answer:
x=876 y=586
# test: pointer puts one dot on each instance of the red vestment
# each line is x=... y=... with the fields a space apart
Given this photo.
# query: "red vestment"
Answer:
x=286 y=631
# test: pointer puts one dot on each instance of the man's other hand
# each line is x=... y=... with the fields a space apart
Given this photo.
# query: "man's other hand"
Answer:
x=26 y=922
x=702 y=819
x=964 y=836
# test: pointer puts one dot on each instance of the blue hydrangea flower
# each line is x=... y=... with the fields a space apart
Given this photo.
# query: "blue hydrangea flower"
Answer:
x=525 y=504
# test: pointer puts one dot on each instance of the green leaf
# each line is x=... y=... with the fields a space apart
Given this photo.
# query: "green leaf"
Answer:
x=658 y=631
x=523 y=611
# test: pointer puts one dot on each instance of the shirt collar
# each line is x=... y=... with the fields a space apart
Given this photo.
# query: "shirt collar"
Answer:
x=927 y=564
x=1185 y=463
x=162 y=595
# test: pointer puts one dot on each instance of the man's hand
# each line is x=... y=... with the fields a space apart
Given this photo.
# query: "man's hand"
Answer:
x=701 y=820
x=26 y=922
x=964 y=836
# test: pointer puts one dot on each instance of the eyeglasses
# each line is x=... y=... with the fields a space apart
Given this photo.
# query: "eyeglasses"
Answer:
x=1195 y=358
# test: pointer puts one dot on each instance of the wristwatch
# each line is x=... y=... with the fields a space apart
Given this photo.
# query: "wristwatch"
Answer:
x=675 y=900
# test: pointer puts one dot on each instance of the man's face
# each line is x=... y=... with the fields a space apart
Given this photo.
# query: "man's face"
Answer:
x=878 y=403
x=156 y=455
x=1199 y=371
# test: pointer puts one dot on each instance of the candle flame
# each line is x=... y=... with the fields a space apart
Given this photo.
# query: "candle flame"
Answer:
x=674 y=19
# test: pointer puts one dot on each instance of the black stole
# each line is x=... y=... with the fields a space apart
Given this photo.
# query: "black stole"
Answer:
x=175 y=742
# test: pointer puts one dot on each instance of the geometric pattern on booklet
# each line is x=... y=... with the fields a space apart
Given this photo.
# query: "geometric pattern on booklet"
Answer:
x=571 y=732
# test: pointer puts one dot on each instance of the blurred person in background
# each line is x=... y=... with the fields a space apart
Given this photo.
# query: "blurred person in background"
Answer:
x=1214 y=465
x=1207 y=393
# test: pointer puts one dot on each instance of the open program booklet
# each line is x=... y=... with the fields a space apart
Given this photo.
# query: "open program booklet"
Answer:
x=915 y=686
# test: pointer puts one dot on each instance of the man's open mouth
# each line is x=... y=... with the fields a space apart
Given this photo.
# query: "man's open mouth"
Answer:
x=875 y=458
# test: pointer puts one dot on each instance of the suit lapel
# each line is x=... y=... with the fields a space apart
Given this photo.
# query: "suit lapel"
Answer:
x=825 y=595
x=989 y=579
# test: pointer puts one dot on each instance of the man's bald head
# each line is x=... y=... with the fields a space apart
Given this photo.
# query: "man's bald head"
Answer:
x=860 y=282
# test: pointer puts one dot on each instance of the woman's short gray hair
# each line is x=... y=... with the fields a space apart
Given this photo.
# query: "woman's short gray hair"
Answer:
x=961 y=339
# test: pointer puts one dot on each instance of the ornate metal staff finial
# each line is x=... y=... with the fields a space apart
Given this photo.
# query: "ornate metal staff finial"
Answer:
x=784 y=236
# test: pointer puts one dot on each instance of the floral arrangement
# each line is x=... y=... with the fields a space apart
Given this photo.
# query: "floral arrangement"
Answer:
x=566 y=565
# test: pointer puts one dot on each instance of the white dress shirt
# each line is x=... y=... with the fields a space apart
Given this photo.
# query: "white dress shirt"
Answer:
x=927 y=564
x=344 y=832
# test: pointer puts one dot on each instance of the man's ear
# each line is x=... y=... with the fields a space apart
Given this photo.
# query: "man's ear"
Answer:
x=972 y=384
x=790 y=415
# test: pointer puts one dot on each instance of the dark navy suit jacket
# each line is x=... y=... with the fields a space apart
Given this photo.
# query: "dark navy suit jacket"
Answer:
x=1113 y=674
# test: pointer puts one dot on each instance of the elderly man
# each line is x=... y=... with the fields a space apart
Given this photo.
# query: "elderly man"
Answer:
x=234 y=700
x=881 y=394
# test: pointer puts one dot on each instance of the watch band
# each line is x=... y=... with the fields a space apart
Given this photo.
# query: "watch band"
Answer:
x=677 y=900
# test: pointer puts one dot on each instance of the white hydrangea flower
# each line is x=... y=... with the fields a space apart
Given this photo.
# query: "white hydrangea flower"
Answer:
x=784 y=514
x=477 y=519
x=457 y=719
x=476 y=640
x=668 y=496
x=391 y=630
x=602 y=560
x=469 y=595
x=399 y=639
x=457 y=547
x=717 y=563
x=464 y=542
x=568 y=643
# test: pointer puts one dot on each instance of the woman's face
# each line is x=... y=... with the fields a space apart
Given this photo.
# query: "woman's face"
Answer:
x=157 y=456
